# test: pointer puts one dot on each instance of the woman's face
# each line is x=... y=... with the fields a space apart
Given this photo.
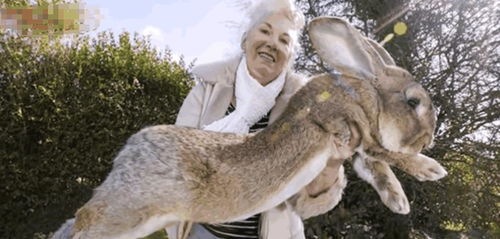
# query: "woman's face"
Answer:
x=268 y=47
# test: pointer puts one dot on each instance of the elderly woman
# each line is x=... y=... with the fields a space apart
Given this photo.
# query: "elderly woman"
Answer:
x=245 y=94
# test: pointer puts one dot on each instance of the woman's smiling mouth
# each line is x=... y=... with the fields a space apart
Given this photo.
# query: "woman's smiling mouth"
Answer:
x=267 y=57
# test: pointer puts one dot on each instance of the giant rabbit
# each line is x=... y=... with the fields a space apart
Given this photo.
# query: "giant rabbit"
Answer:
x=373 y=110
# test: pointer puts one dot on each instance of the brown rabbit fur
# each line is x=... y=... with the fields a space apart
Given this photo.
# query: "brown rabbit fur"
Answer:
x=396 y=134
x=165 y=174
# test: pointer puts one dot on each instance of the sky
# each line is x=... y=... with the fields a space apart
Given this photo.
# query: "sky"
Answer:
x=197 y=29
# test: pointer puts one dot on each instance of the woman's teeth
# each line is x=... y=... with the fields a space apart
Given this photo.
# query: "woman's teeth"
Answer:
x=267 y=57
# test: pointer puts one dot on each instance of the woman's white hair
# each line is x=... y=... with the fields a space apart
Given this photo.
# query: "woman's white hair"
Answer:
x=259 y=10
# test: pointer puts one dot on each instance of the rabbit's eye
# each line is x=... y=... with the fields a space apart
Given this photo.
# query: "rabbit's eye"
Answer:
x=413 y=102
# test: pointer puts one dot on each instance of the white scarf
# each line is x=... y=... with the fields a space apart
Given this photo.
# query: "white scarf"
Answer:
x=246 y=86
x=253 y=101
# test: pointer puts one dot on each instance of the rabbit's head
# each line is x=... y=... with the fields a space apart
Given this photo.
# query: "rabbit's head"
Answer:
x=405 y=116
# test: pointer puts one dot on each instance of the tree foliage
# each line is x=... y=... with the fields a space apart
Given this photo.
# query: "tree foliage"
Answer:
x=65 y=111
x=452 y=48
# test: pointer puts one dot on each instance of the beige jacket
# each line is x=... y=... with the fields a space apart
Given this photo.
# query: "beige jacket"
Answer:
x=208 y=102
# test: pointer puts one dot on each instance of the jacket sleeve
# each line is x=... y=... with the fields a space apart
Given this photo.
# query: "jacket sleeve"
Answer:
x=190 y=113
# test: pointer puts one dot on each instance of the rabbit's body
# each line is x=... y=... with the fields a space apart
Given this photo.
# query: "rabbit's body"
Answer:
x=169 y=173
x=166 y=174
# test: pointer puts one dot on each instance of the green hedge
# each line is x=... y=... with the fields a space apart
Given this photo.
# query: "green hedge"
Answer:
x=65 y=111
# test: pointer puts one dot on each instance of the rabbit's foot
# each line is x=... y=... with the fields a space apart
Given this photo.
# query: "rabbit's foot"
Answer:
x=379 y=174
x=393 y=196
x=427 y=169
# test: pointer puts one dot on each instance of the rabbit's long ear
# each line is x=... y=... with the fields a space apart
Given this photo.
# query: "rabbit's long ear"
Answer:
x=340 y=45
x=387 y=67
x=382 y=53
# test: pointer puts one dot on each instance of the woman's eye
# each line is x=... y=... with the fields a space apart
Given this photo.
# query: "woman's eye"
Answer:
x=264 y=31
x=284 y=41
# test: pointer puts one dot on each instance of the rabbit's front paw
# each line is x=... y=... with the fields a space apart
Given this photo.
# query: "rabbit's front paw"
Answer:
x=393 y=196
x=428 y=169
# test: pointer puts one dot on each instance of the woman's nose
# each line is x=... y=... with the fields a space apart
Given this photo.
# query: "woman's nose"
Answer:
x=272 y=44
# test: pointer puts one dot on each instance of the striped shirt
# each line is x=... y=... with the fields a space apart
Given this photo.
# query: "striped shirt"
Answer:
x=257 y=126
x=248 y=228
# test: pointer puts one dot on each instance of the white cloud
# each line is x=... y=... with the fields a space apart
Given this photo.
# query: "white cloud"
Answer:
x=205 y=37
x=192 y=28
x=155 y=34
x=216 y=51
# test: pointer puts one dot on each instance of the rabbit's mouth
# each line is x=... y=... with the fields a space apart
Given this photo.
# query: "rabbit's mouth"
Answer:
x=419 y=143
x=428 y=142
